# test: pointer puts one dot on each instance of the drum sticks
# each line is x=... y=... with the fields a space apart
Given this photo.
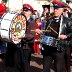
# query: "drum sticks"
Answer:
x=43 y=30
x=53 y=30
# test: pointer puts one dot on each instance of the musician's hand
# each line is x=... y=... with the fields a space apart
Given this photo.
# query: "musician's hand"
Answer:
x=62 y=37
x=38 y=31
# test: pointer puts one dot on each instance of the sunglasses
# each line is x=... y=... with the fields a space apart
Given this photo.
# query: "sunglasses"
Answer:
x=27 y=10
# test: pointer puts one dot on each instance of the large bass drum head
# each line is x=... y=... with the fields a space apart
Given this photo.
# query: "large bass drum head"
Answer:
x=13 y=27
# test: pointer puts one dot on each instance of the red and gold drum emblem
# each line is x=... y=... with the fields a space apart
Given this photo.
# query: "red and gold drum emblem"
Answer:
x=18 y=28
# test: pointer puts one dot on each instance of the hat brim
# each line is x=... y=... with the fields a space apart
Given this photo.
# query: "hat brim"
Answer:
x=57 y=6
x=25 y=9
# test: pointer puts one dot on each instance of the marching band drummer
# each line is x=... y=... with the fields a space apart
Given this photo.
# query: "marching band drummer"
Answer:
x=61 y=28
x=23 y=54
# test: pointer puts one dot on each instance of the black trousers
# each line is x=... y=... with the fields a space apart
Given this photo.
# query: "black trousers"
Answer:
x=51 y=54
x=67 y=58
x=9 y=56
x=22 y=59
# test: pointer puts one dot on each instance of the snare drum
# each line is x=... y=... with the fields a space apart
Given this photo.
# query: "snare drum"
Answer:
x=48 y=40
x=12 y=26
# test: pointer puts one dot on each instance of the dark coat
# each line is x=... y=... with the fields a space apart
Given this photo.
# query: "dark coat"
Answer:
x=66 y=26
x=28 y=41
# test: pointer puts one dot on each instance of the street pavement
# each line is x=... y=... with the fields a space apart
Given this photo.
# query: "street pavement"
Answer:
x=36 y=64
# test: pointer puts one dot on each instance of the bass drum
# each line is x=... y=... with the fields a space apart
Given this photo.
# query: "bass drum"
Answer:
x=12 y=27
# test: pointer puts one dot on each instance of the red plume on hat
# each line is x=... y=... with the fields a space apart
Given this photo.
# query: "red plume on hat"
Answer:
x=28 y=6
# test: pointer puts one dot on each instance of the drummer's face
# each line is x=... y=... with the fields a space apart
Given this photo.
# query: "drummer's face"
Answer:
x=27 y=12
x=58 y=11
